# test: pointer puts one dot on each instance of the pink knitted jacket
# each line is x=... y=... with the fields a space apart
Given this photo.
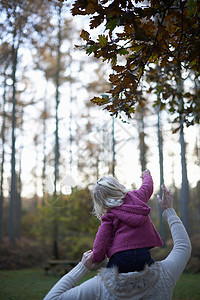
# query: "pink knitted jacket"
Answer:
x=127 y=226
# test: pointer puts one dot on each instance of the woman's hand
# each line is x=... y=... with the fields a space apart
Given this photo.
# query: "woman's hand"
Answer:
x=167 y=198
x=87 y=260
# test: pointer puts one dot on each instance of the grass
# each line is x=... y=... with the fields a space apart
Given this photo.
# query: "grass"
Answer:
x=33 y=284
x=187 y=287
x=24 y=284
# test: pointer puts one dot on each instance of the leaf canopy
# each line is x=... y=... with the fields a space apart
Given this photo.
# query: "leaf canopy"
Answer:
x=142 y=33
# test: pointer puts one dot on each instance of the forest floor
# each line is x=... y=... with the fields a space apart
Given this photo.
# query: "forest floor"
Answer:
x=33 y=284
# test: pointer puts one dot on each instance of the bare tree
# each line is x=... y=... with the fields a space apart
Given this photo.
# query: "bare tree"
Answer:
x=185 y=185
x=3 y=152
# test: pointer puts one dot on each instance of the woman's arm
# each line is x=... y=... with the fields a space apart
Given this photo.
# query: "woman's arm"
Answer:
x=66 y=288
x=179 y=256
x=177 y=259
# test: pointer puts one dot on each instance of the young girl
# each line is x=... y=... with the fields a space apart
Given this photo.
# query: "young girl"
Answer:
x=126 y=232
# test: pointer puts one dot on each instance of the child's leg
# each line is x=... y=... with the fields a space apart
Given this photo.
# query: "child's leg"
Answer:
x=131 y=260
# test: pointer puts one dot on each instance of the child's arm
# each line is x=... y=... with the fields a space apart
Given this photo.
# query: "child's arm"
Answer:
x=145 y=192
x=103 y=238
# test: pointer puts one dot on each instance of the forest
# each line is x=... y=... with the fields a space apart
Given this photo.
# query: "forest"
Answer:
x=90 y=88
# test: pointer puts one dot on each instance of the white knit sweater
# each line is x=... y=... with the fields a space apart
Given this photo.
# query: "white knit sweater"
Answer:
x=155 y=282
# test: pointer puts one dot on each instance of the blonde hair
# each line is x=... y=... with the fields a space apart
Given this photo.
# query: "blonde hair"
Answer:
x=107 y=193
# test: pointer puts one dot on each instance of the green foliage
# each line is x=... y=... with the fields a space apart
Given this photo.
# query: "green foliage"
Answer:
x=111 y=24
x=92 y=49
x=164 y=33
x=193 y=7
x=25 y=253
x=103 y=40
x=76 y=226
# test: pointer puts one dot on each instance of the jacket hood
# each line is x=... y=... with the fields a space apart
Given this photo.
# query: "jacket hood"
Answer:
x=132 y=215
x=130 y=285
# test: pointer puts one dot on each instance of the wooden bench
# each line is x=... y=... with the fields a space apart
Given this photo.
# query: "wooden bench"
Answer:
x=59 y=267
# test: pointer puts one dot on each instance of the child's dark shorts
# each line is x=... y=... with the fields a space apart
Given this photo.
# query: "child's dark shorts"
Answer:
x=131 y=260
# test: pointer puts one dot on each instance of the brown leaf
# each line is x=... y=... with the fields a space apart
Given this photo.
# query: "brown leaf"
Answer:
x=85 y=35
x=118 y=68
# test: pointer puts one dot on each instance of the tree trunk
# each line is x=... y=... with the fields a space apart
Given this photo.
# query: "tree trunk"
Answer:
x=3 y=158
x=70 y=121
x=19 y=187
x=35 y=172
x=185 y=185
x=56 y=160
x=44 y=118
x=113 y=147
x=13 y=173
x=142 y=145
x=160 y=148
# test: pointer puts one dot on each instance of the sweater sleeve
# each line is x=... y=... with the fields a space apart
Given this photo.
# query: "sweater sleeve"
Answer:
x=103 y=239
x=66 y=288
x=145 y=192
x=177 y=259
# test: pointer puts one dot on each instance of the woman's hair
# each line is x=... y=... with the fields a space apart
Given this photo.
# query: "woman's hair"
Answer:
x=107 y=193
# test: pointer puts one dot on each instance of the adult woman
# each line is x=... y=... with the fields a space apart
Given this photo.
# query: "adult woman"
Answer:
x=154 y=282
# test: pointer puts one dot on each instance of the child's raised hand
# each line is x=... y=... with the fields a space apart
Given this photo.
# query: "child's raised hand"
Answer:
x=146 y=172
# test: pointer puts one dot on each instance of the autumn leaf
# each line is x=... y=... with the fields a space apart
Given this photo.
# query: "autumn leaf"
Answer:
x=91 y=49
x=122 y=51
x=118 y=68
x=103 y=40
x=114 y=79
x=100 y=101
x=111 y=24
x=96 y=21
x=158 y=33
x=84 y=7
x=84 y=35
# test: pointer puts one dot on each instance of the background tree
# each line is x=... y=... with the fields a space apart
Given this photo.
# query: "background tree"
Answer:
x=141 y=112
x=170 y=86
x=15 y=30
x=3 y=134
x=160 y=151
x=185 y=186
x=53 y=65
x=94 y=136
